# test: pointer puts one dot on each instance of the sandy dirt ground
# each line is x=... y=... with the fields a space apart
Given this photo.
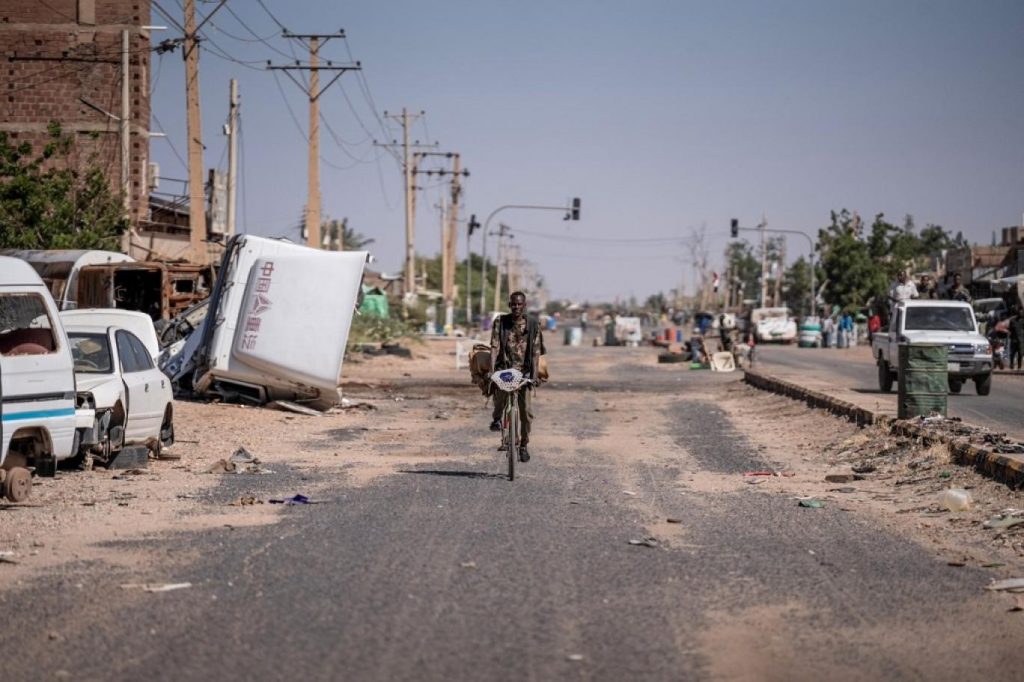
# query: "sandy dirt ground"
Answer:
x=399 y=407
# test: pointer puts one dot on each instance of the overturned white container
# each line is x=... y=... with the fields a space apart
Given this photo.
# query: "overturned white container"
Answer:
x=278 y=323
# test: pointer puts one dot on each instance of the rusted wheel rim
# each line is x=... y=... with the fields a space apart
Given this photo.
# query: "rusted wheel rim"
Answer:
x=18 y=484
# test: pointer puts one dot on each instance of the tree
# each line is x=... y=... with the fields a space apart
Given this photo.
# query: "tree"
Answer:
x=338 y=234
x=853 y=275
x=47 y=201
x=796 y=286
x=744 y=270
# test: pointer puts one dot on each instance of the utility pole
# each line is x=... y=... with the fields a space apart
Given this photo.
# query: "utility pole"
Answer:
x=196 y=193
x=232 y=156
x=764 y=258
x=470 y=227
x=453 y=240
x=125 y=125
x=313 y=42
x=405 y=119
x=503 y=230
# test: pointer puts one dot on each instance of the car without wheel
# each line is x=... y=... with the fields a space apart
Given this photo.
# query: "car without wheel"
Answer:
x=115 y=374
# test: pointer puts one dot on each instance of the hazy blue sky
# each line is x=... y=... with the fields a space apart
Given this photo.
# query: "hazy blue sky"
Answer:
x=661 y=116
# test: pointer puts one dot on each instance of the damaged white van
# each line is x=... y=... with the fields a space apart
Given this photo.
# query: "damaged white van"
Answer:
x=39 y=423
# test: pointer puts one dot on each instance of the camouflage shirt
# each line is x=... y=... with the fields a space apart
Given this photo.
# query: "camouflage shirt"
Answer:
x=513 y=356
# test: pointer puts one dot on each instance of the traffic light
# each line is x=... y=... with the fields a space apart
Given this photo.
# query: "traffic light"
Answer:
x=575 y=213
x=734 y=228
x=473 y=224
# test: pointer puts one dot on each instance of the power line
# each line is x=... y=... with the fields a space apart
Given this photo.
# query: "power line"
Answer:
x=271 y=15
x=169 y=141
x=626 y=241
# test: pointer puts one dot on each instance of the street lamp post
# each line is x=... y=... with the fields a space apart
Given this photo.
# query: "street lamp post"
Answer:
x=572 y=213
x=761 y=228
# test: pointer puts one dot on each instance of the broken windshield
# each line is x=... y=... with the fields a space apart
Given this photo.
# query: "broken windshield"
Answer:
x=91 y=353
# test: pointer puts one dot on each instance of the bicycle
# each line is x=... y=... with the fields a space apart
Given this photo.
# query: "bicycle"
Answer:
x=510 y=381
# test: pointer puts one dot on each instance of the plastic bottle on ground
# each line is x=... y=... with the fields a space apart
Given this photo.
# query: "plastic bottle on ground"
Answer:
x=955 y=499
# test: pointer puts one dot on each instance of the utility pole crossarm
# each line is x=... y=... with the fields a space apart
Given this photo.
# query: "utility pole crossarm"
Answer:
x=313 y=42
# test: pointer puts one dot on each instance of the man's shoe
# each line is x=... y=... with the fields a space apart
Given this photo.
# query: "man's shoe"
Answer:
x=524 y=454
x=495 y=425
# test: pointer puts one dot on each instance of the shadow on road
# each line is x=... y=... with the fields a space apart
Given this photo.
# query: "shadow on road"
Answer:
x=459 y=474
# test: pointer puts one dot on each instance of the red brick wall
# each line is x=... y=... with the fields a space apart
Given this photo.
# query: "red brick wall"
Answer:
x=51 y=62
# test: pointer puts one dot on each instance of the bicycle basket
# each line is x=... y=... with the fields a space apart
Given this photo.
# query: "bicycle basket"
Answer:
x=507 y=380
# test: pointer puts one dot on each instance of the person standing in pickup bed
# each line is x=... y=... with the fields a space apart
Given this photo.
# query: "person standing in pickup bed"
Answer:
x=958 y=292
x=903 y=289
x=927 y=289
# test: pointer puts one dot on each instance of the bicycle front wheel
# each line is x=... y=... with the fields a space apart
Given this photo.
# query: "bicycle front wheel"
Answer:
x=513 y=437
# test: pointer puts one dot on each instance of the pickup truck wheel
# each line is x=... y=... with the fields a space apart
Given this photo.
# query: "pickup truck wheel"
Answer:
x=884 y=377
x=955 y=385
x=983 y=384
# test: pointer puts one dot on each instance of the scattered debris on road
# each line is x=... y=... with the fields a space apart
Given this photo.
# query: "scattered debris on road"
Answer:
x=156 y=587
x=645 y=542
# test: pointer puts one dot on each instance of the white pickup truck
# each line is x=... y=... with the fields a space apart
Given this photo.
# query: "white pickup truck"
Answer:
x=950 y=323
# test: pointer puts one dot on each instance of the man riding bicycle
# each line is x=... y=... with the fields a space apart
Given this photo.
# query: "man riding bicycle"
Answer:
x=516 y=343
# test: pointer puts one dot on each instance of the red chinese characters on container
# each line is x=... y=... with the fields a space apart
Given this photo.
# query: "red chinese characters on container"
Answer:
x=261 y=303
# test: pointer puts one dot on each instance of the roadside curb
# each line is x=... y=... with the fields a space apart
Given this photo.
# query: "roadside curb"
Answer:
x=1002 y=467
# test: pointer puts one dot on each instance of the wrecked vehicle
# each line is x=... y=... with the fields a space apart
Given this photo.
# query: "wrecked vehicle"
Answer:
x=117 y=377
x=275 y=327
x=107 y=279
x=59 y=268
x=39 y=420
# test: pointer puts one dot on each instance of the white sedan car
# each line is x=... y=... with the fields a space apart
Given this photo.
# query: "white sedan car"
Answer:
x=115 y=373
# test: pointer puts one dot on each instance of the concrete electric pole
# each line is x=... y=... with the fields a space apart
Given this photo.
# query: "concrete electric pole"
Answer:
x=313 y=42
x=196 y=193
x=232 y=157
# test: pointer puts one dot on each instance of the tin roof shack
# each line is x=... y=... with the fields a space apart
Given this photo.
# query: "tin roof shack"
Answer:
x=161 y=290
x=276 y=327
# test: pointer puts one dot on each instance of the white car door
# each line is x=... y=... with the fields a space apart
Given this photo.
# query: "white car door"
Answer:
x=156 y=387
x=133 y=374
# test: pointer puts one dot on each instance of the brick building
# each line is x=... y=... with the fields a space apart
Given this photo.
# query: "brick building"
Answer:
x=63 y=62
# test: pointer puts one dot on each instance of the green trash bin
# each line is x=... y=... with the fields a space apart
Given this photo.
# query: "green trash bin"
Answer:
x=923 y=384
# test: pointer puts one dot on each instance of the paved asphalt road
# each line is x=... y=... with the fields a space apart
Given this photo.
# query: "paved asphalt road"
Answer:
x=451 y=572
x=1002 y=410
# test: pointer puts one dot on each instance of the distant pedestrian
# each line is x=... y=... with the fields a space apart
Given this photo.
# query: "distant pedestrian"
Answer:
x=902 y=289
x=845 y=330
x=828 y=327
x=1016 y=339
x=958 y=292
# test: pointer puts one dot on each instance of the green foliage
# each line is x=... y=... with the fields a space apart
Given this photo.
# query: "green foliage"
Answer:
x=847 y=263
x=375 y=330
x=433 y=268
x=744 y=267
x=47 y=202
x=858 y=268
x=333 y=231
x=796 y=286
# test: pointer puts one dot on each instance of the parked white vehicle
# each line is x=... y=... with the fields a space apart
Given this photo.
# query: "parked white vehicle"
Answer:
x=773 y=325
x=39 y=422
x=950 y=323
x=116 y=374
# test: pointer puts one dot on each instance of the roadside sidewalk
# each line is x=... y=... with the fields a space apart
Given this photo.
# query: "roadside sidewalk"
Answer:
x=970 y=446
